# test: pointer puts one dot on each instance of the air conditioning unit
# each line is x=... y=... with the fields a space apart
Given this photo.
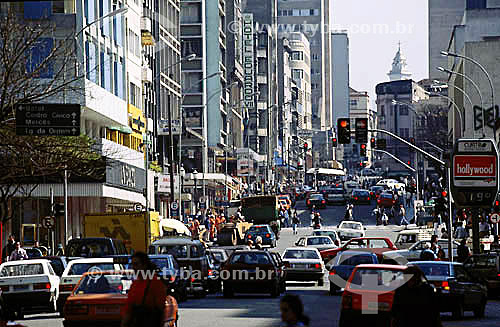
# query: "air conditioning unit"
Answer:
x=145 y=24
x=147 y=75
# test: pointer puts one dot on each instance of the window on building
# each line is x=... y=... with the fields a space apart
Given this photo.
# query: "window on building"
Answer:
x=404 y=133
x=314 y=86
x=403 y=110
x=89 y=8
x=305 y=12
x=37 y=63
x=58 y=7
x=134 y=43
x=262 y=66
x=354 y=102
x=134 y=96
x=190 y=82
x=297 y=74
x=315 y=71
x=297 y=55
x=295 y=12
x=103 y=11
x=118 y=30
x=263 y=92
x=192 y=46
x=314 y=57
x=382 y=110
x=190 y=13
x=263 y=40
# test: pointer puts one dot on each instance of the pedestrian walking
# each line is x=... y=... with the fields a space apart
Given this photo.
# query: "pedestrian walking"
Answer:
x=402 y=215
x=147 y=295
x=463 y=251
x=9 y=248
x=19 y=253
x=296 y=222
x=460 y=231
x=292 y=311
x=408 y=199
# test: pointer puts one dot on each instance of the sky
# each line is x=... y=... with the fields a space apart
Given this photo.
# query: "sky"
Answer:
x=374 y=28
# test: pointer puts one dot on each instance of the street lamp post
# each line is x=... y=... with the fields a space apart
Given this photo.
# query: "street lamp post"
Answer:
x=195 y=193
x=475 y=62
x=456 y=109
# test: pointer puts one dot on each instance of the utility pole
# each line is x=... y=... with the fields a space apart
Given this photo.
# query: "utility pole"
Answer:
x=66 y=205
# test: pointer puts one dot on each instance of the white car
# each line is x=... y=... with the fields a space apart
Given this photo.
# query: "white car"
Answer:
x=348 y=229
x=75 y=270
x=392 y=184
x=28 y=286
x=304 y=264
x=317 y=242
x=413 y=253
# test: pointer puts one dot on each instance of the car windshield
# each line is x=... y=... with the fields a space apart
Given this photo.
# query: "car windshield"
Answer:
x=350 y=226
x=377 y=279
x=318 y=240
x=258 y=229
x=332 y=235
x=81 y=268
x=347 y=259
x=300 y=254
x=336 y=192
x=219 y=256
x=57 y=265
x=430 y=269
x=22 y=270
x=177 y=250
x=249 y=258
x=103 y=284
x=161 y=263
x=88 y=248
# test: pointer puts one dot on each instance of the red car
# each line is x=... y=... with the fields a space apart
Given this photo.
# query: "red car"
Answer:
x=376 y=245
x=386 y=200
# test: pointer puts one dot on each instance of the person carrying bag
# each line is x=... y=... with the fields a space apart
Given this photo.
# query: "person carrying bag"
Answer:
x=147 y=295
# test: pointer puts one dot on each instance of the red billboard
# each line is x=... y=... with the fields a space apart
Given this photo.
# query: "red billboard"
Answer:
x=475 y=170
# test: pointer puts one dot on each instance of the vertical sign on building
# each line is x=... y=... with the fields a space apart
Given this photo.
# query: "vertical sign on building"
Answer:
x=248 y=68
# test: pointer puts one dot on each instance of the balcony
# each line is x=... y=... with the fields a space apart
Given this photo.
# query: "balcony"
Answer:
x=147 y=75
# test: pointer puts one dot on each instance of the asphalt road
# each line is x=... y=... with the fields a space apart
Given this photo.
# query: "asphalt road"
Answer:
x=262 y=311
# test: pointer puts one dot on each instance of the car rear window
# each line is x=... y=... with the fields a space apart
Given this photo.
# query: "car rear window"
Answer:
x=323 y=233
x=103 y=284
x=300 y=254
x=57 y=265
x=161 y=263
x=316 y=197
x=81 y=268
x=350 y=226
x=377 y=279
x=319 y=240
x=353 y=260
x=22 y=270
x=178 y=250
x=89 y=248
x=361 y=193
x=249 y=258
x=434 y=270
x=259 y=229
x=336 y=192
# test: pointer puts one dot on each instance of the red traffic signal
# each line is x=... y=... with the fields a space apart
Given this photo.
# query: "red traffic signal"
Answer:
x=497 y=203
x=444 y=194
x=343 y=123
x=409 y=163
x=372 y=143
x=306 y=146
x=334 y=142
x=363 y=146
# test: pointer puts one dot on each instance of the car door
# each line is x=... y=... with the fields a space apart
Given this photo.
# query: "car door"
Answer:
x=472 y=290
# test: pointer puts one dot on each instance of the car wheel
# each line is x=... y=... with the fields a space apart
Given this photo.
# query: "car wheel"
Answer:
x=228 y=291
x=458 y=313
x=479 y=311
x=321 y=282
x=275 y=289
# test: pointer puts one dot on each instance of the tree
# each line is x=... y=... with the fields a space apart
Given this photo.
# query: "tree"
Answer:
x=38 y=63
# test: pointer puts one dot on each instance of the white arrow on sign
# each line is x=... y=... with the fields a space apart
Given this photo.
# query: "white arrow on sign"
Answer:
x=73 y=130
x=74 y=115
x=74 y=122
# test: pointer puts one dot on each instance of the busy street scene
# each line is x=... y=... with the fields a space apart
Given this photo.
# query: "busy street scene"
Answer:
x=257 y=163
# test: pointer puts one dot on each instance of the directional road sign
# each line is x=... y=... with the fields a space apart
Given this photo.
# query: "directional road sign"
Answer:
x=48 y=119
x=163 y=127
x=174 y=205
x=49 y=222
x=474 y=180
x=495 y=218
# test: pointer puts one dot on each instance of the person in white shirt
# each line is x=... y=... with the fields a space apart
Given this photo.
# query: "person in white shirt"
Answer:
x=461 y=232
x=18 y=254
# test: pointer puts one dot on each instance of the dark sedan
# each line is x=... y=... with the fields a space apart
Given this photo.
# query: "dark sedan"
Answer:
x=341 y=267
x=169 y=272
x=360 y=197
x=335 y=196
x=458 y=291
x=316 y=200
x=375 y=191
x=264 y=231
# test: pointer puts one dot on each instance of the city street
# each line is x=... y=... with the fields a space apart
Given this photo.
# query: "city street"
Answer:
x=261 y=310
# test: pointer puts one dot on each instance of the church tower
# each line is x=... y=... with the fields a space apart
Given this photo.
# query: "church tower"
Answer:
x=399 y=71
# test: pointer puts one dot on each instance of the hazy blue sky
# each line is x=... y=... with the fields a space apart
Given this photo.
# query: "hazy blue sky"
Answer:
x=375 y=28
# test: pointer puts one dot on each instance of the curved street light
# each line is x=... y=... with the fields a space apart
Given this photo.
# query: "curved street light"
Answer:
x=473 y=83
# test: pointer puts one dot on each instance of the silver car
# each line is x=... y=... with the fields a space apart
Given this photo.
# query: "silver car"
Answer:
x=303 y=264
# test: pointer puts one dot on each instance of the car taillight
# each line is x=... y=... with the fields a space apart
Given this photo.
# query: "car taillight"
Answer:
x=368 y=198
x=268 y=235
x=315 y=266
x=249 y=236
x=4 y=288
x=355 y=198
x=66 y=287
x=308 y=202
x=445 y=286
x=323 y=201
x=172 y=279
x=393 y=201
x=347 y=301
x=498 y=275
x=41 y=286
x=332 y=272
x=378 y=201
x=76 y=309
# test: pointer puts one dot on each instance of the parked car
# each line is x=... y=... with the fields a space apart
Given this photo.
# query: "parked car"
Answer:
x=487 y=267
x=348 y=229
x=335 y=196
x=316 y=200
x=304 y=264
x=94 y=247
x=341 y=267
x=264 y=231
x=375 y=245
x=386 y=200
x=28 y=286
x=100 y=298
x=360 y=196
x=328 y=232
x=317 y=242
x=74 y=272
x=249 y=282
x=170 y=273
x=458 y=291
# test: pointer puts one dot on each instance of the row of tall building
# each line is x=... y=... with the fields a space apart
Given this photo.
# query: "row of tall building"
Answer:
x=226 y=94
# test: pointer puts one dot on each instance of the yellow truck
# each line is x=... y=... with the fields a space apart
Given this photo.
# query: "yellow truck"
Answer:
x=135 y=229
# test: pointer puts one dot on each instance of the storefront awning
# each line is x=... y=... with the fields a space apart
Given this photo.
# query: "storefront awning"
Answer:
x=326 y=171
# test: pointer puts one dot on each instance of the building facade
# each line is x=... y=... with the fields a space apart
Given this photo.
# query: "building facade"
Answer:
x=340 y=75
x=359 y=105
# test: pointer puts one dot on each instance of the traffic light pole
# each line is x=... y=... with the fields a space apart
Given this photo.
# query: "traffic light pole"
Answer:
x=442 y=163
x=397 y=159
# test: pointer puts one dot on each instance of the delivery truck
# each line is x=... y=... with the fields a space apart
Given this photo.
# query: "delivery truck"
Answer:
x=135 y=229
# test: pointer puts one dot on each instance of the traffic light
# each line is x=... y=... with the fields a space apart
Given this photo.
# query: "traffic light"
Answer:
x=412 y=141
x=372 y=143
x=361 y=131
x=344 y=130
x=306 y=146
x=409 y=163
x=58 y=209
x=381 y=144
x=362 y=150
x=334 y=142
x=496 y=207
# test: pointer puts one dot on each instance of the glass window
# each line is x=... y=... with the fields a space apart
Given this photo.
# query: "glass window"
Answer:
x=81 y=268
x=434 y=269
x=305 y=12
x=262 y=66
x=107 y=73
x=119 y=79
x=366 y=279
x=300 y=254
x=382 y=110
x=354 y=260
x=297 y=73
x=192 y=46
x=22 y=270
x=104 y=10
x=297 y=55
x=118 y=30
x=178 y=251
x=101 y=284
x=190 y=13
x=58 y=7
x=295 y=12
x=57 y=265
x=89 y=7
x=263 y=40
x=403 y=110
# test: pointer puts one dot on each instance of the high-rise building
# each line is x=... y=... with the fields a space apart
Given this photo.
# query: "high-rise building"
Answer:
x=313 y=18
x=340 y=75
x=443 y=16
x=359 y=107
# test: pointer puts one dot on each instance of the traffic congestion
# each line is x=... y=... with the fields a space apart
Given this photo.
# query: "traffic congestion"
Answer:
x=341 y=257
